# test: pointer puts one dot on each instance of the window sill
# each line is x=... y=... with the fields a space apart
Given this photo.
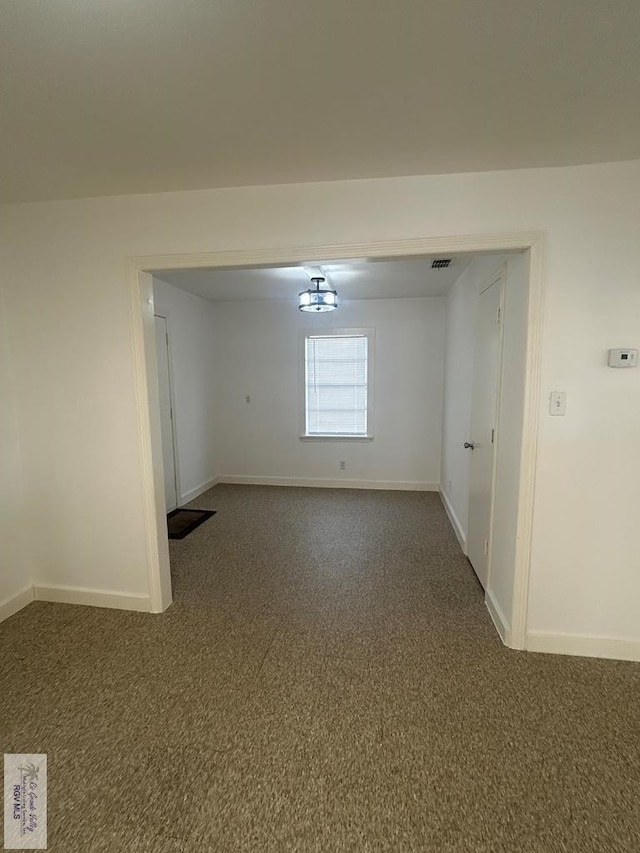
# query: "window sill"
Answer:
x=336 y=438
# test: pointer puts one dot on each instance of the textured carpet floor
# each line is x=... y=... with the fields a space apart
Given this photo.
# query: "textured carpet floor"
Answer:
x=327 y=679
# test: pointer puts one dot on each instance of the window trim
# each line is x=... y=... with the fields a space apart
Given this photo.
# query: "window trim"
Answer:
x=369 y=333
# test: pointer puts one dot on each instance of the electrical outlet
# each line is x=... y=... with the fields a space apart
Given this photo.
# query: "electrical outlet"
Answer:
x=342 y=464
x=247 y=399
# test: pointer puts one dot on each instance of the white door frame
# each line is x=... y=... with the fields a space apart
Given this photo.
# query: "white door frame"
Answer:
x=172 y=403
x=146 y=377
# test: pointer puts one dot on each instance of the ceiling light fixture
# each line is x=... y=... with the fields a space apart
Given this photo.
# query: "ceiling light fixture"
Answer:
x=320 y=299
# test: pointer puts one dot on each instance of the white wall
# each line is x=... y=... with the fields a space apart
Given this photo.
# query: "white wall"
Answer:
x=68 y=305
x=194 y=371
x=260 y=357
x=14 y=570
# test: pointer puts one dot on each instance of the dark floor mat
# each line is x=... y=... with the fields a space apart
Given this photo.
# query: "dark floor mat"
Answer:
x=182 y=521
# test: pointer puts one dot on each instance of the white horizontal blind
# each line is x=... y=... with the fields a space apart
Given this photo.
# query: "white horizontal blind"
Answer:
x=336 y=384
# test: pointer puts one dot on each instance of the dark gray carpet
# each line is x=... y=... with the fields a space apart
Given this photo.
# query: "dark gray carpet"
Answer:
x=327 y=679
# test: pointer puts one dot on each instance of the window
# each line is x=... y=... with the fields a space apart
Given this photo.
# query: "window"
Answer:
x=337 y=378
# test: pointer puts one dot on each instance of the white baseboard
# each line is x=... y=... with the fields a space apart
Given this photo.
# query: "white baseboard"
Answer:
x=92 y=597
x=324 y=483
x=499 y=620
x=15 y=603
x=455 y=521
x=584 y=646
x=192 y=494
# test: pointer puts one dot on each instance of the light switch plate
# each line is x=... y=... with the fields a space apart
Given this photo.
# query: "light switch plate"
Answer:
x=558 y=403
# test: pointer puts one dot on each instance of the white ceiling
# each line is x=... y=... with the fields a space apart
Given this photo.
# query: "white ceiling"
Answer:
x=352 y=279
x=104 y=98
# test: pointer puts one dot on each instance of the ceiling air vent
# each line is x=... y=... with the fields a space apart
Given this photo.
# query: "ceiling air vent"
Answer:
x=441 y=263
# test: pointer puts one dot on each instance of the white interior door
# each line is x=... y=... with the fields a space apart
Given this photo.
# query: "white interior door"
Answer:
x=166 y=413
x=484 y=409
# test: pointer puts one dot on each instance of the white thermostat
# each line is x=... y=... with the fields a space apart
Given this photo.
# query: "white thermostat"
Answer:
x=623 y=358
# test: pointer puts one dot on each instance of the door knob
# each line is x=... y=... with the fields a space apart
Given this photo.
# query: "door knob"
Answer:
x=469 y=445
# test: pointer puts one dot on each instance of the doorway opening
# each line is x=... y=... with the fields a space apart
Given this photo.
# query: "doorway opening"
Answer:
x=510 y=530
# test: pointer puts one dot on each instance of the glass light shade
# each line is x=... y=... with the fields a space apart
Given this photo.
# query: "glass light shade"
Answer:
x=318 y=300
